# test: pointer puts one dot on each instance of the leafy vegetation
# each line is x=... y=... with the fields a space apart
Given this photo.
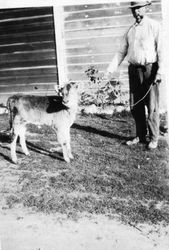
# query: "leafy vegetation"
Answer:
x=106 y=92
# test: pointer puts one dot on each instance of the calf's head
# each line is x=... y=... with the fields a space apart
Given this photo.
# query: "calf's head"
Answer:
x=69 y=94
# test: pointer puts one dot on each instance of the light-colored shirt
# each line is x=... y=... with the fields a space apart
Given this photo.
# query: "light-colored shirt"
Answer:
x=141 y=44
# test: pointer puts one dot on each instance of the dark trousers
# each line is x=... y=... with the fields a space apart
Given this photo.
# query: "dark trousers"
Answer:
x=141 y=79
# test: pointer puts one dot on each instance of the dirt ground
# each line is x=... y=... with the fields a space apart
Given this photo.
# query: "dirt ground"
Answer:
x=24 y=230
x=21 y=229
x=24 y=227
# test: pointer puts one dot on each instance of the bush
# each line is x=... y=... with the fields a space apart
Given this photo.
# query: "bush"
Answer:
x=106 y=92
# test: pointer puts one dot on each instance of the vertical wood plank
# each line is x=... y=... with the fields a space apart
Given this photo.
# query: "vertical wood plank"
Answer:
x=60 y=44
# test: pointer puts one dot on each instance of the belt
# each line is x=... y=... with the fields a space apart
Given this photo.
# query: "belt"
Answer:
x=141 y=65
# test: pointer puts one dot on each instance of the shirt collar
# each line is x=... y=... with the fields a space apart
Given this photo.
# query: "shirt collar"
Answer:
x=142 y=22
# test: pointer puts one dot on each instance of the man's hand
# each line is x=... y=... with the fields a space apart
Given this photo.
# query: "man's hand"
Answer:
x=157 y=79
x=108 y=76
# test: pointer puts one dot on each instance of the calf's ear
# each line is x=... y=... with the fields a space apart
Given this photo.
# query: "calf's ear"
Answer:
x=56 y=88
x=75 y=84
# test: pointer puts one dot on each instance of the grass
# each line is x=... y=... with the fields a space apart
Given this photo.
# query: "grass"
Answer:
x=106 y=177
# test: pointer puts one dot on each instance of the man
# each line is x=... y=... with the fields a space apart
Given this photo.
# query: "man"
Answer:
x=142 y=46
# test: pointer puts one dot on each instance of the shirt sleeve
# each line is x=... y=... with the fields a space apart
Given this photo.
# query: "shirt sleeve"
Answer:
x=119 y=56
x=158 y=41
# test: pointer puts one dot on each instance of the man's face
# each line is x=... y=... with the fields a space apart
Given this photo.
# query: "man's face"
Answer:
x=138 y=13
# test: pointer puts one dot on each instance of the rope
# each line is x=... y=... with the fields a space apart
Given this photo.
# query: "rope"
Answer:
x=134 y=104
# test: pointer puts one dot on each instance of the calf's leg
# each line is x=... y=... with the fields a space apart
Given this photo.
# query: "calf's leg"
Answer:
x=22 y=139
x=16 y=127
x=68 y=145
x=13 y=148
x=63 y=139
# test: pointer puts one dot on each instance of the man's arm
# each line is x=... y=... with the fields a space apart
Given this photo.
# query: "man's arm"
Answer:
x=159 y=53
x=119 y=56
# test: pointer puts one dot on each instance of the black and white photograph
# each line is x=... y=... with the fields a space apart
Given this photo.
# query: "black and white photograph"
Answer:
x=84 y=144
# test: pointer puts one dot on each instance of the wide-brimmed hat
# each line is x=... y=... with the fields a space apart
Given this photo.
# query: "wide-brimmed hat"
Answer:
x=139 y=4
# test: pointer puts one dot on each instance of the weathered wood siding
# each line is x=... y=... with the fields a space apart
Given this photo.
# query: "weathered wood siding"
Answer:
x=93 y=34
x=27 y=50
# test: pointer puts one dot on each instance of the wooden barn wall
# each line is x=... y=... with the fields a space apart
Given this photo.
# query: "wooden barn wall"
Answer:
x=93 y=34
x=27 y=50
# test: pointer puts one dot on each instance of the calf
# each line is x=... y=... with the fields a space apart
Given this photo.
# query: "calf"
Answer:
x=59 y=112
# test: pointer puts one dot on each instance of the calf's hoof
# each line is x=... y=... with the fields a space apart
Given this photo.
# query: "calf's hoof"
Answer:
x=14 y=160
x=26 y=153
x=67 y=159
x=71 y=156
